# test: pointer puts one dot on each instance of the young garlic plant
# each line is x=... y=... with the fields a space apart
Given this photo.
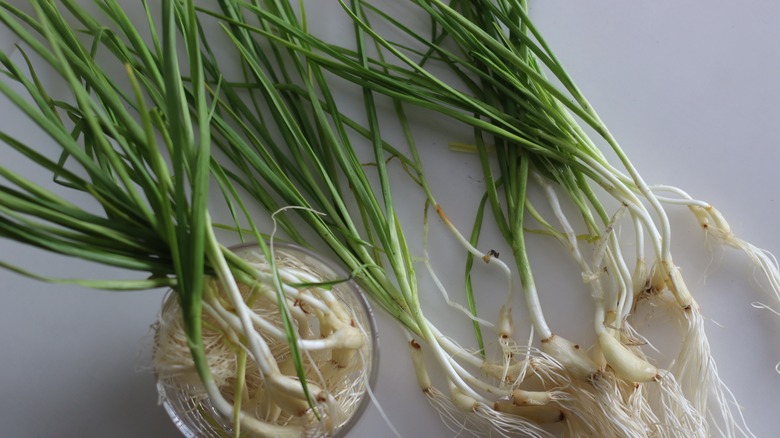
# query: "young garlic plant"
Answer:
x=694 y=367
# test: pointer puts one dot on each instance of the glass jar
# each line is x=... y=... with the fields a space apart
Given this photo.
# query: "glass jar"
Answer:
x=183 y=397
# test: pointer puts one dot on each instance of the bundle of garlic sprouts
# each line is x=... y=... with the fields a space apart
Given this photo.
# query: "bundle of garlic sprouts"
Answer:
x=538 y=130
x=149 y=168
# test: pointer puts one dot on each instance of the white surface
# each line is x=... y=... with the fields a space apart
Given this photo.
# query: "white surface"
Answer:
x=690 y=90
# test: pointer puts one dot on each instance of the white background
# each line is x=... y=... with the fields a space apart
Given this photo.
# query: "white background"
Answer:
x=691 y=91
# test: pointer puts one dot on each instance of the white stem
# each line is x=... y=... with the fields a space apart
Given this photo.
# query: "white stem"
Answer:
x=535 y=309
x=454 y=349
x=443 y=359
x=640 y=274
x=625 y=290
x=260 y=351
x=337 y=339
x=334 y=304
x=446 y=297
x=487 y=258
x=665 y=231
x=289 y=291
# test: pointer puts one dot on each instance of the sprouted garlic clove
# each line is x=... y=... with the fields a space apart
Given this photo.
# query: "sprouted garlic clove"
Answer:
x=461 y=400
x=573 y=358
x=506 y=373
x=624 y=362
x=677 y=285
x=287 y=392
x=598 y=356
x=423 y=379
x=522 y=397
x=505 y=324
x=349 y=340
x=701 y=216
x=658 y=281
x=719 y=221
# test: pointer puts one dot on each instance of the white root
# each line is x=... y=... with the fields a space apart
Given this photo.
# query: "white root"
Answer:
x=672 y=414
x=599 y=408
x=698 y=376
x=693 y=392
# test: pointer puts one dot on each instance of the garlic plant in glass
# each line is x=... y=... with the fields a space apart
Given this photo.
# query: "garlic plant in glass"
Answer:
x=270 y=342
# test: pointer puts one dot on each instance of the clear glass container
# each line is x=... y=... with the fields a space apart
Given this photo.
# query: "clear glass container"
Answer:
x=193 y=413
